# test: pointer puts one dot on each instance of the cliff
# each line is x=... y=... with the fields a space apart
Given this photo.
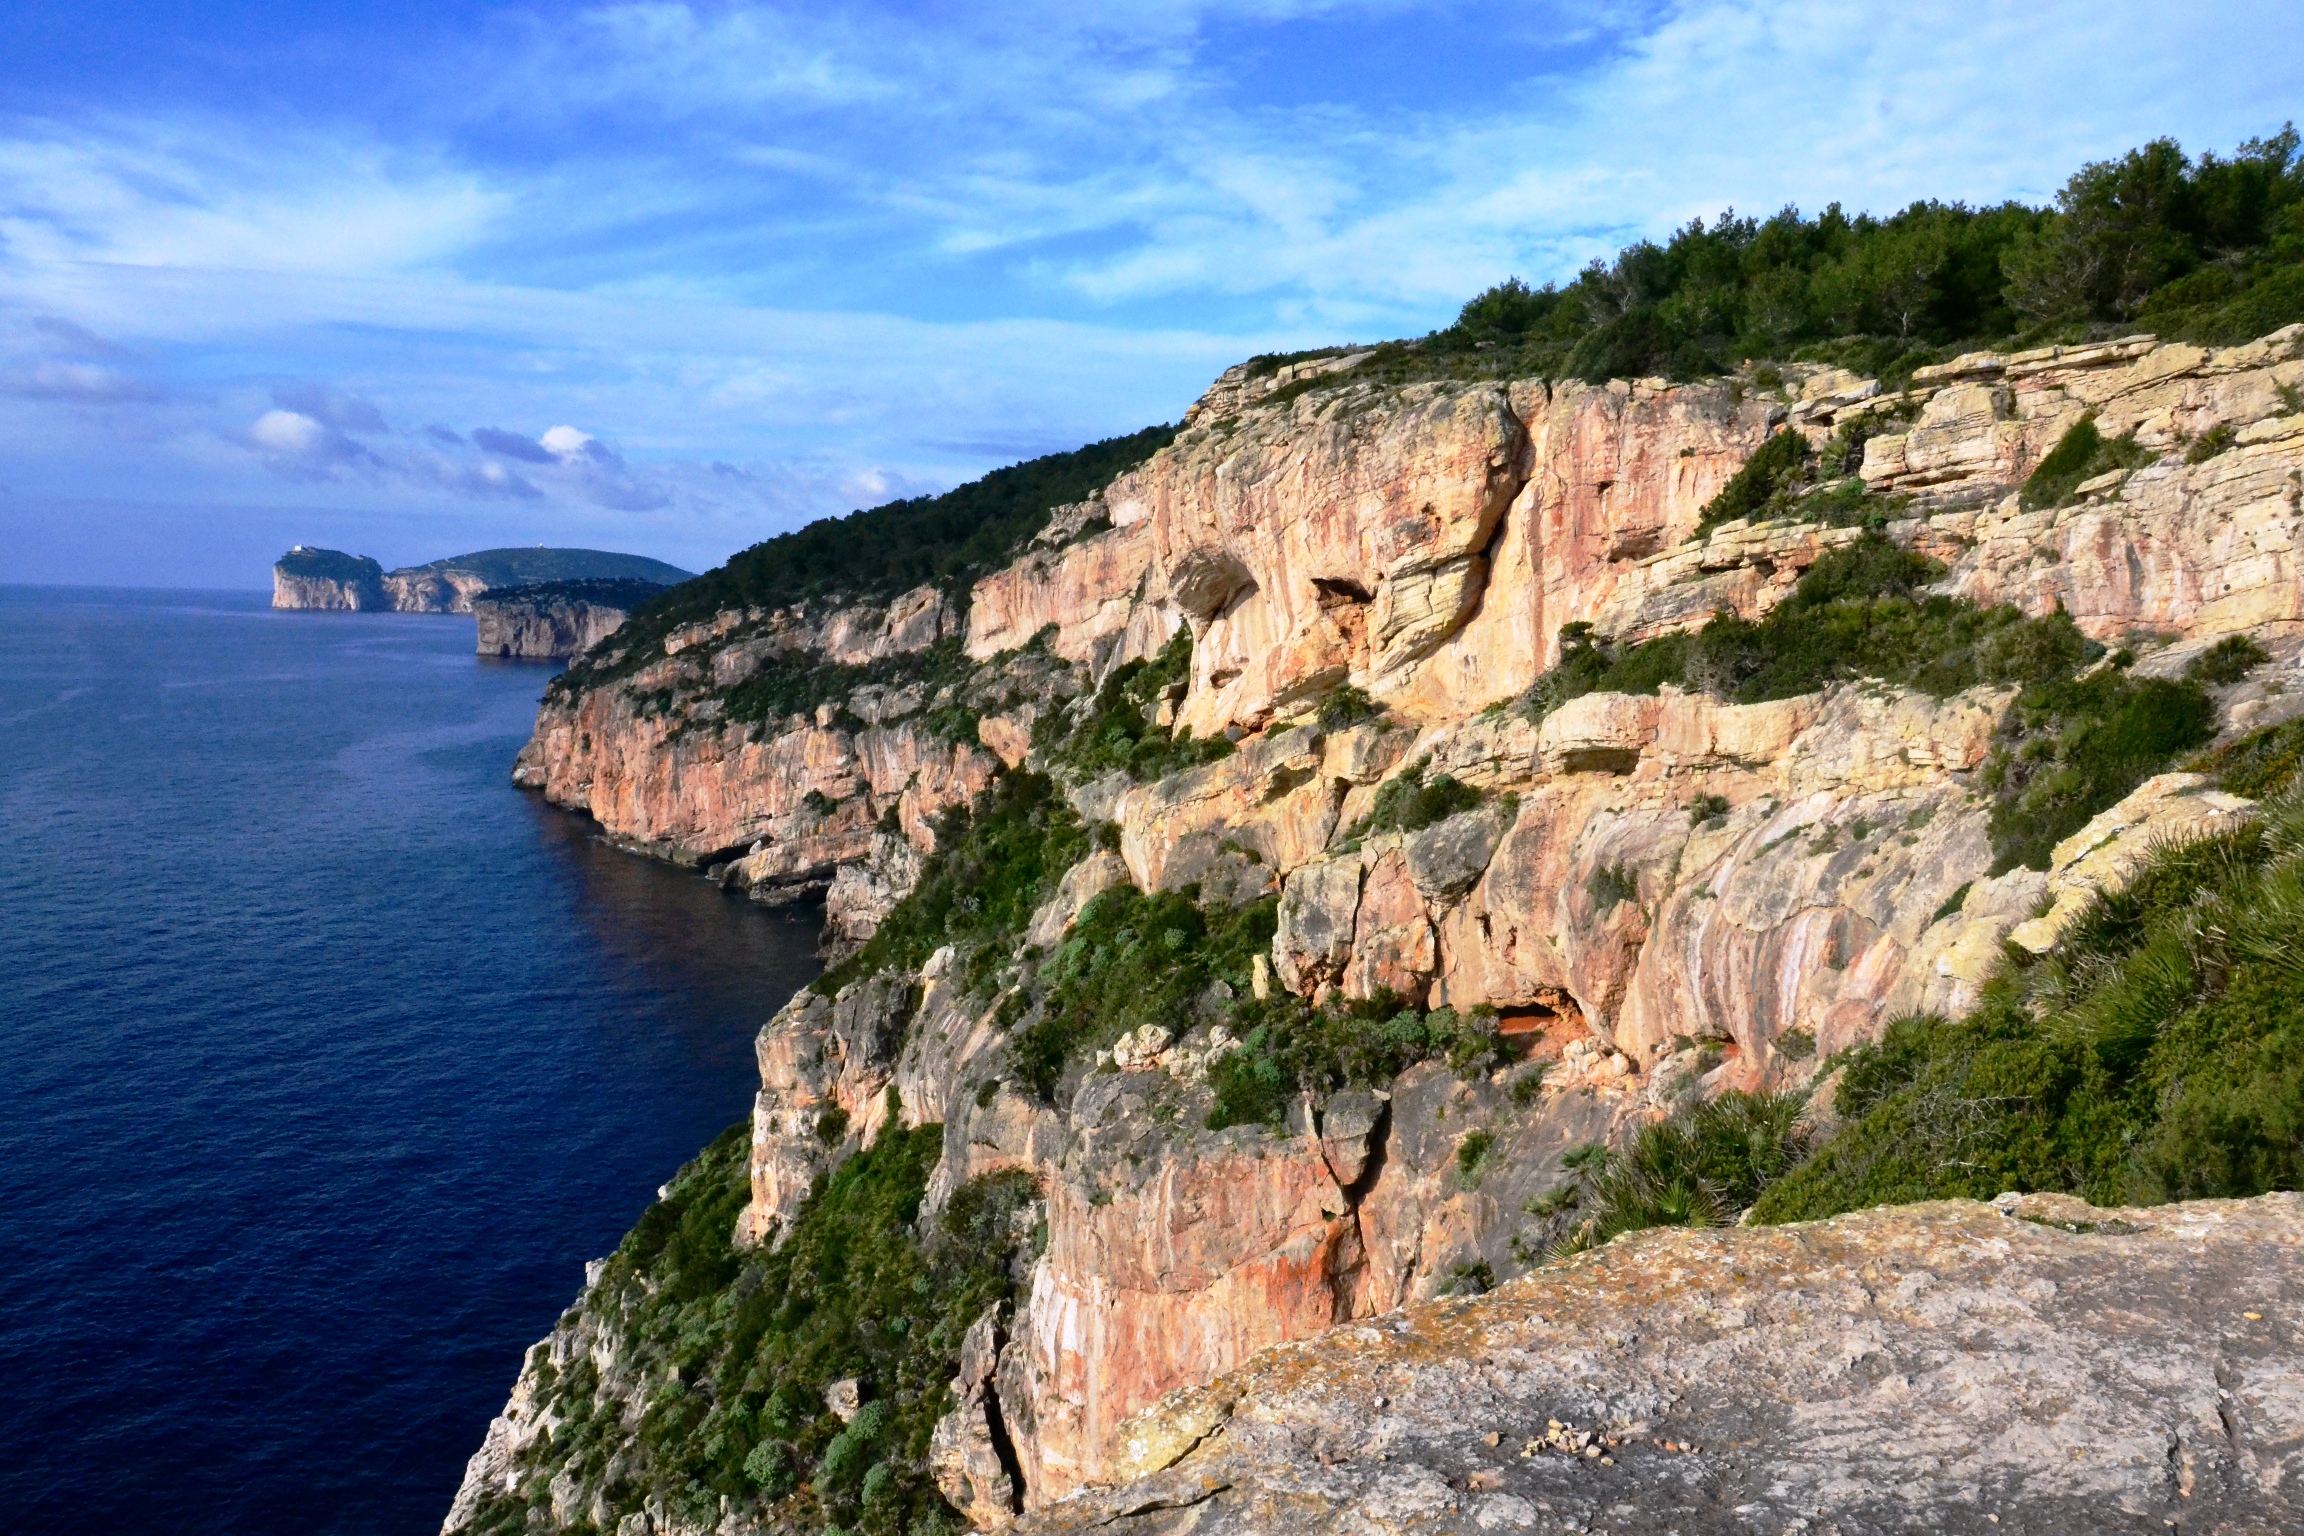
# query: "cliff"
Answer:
x=328 y=579
x=1398 y=831
x=552 y=621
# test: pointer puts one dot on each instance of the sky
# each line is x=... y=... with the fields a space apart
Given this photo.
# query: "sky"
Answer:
x=410 y=279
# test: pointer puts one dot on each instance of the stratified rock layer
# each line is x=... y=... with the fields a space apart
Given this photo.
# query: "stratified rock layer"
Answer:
x=555 y=620
x=2041 y=1367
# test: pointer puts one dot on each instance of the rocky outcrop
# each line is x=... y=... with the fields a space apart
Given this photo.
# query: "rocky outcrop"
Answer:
x=328 y=581
x=434 y=589
x=552 y=621
x=1894 y=1369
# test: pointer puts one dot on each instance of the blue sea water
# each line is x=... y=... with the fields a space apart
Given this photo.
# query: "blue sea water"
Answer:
x=329 y=1058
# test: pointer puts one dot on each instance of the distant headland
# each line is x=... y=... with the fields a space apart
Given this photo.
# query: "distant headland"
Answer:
x=535 y=603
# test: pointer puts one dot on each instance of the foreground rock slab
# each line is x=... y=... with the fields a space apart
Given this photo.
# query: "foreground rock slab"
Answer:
x=2032 y=1365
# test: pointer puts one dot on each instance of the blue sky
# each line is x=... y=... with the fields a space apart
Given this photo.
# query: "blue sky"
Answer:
x=410 y=279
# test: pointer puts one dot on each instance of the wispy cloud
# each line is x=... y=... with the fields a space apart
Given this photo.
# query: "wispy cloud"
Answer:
x=702 y=270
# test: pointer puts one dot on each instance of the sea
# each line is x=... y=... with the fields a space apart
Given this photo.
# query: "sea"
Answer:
x=329 y=1058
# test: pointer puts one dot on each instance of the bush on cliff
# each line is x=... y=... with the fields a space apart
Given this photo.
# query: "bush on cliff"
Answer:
x=1130 y=960
x=1703 y=1167
x=1116 y=729
x=733 y=1351
x=798 y=682
x=1416 y=798
x=2157 y=1053
x=2259 y=765
x=2073 y=746
x=2082 y=453
x=1289 y=1047
x=996 y=861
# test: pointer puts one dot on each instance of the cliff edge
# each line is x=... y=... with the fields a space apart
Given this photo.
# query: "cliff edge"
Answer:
x=1897 y=1369
x=1392 y=836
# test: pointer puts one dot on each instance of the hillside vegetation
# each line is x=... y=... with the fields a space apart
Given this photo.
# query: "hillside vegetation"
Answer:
x=327 y=565
x=2207 y=249
x=525 y=567
x=949 y=539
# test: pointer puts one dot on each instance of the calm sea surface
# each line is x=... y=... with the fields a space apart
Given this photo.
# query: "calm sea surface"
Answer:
x=329 y=1058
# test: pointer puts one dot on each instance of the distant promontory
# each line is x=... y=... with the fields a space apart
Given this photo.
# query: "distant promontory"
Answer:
x=330 y=580
x=534 y=604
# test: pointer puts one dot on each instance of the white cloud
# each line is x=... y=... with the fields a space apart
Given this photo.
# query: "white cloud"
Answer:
x=568 y=443
x=287 y=432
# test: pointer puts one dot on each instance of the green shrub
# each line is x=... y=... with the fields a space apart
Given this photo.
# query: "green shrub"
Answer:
x=861 y=1286
x=1408 y=802
x=2082 y=453
x=2259 y=765
x=1115 y=730
x=1706 y=808
x=798 y=682
x=1346 y=707
x=2227 y=661
x=1130 y=960
x=1859 y=611
x=2073 y=747
x=1952 y=903
x=2217 y=439
x=1289 y=1047
x=1472 y=1158
x=1700 y=1168
x=995 y=863
x=1610 y=886
x=1780 y=461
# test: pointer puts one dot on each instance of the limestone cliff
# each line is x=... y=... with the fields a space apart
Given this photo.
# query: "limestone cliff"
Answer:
x=552 y=621
x=328 y=581
x=1302 y=684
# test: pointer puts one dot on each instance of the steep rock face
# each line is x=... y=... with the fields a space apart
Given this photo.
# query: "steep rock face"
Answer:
x=1887 y=1370
x=744 y=790
x=426 y=590
x=1662 y=896
x=555 y=622
x=2198 y=548
x=784 y=806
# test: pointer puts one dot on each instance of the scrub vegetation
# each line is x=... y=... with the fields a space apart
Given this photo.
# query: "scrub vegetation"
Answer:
x=1118 y=731
x=2207 y=249
x=728 y=1354
x=948 y=539
x=1290 y=1048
